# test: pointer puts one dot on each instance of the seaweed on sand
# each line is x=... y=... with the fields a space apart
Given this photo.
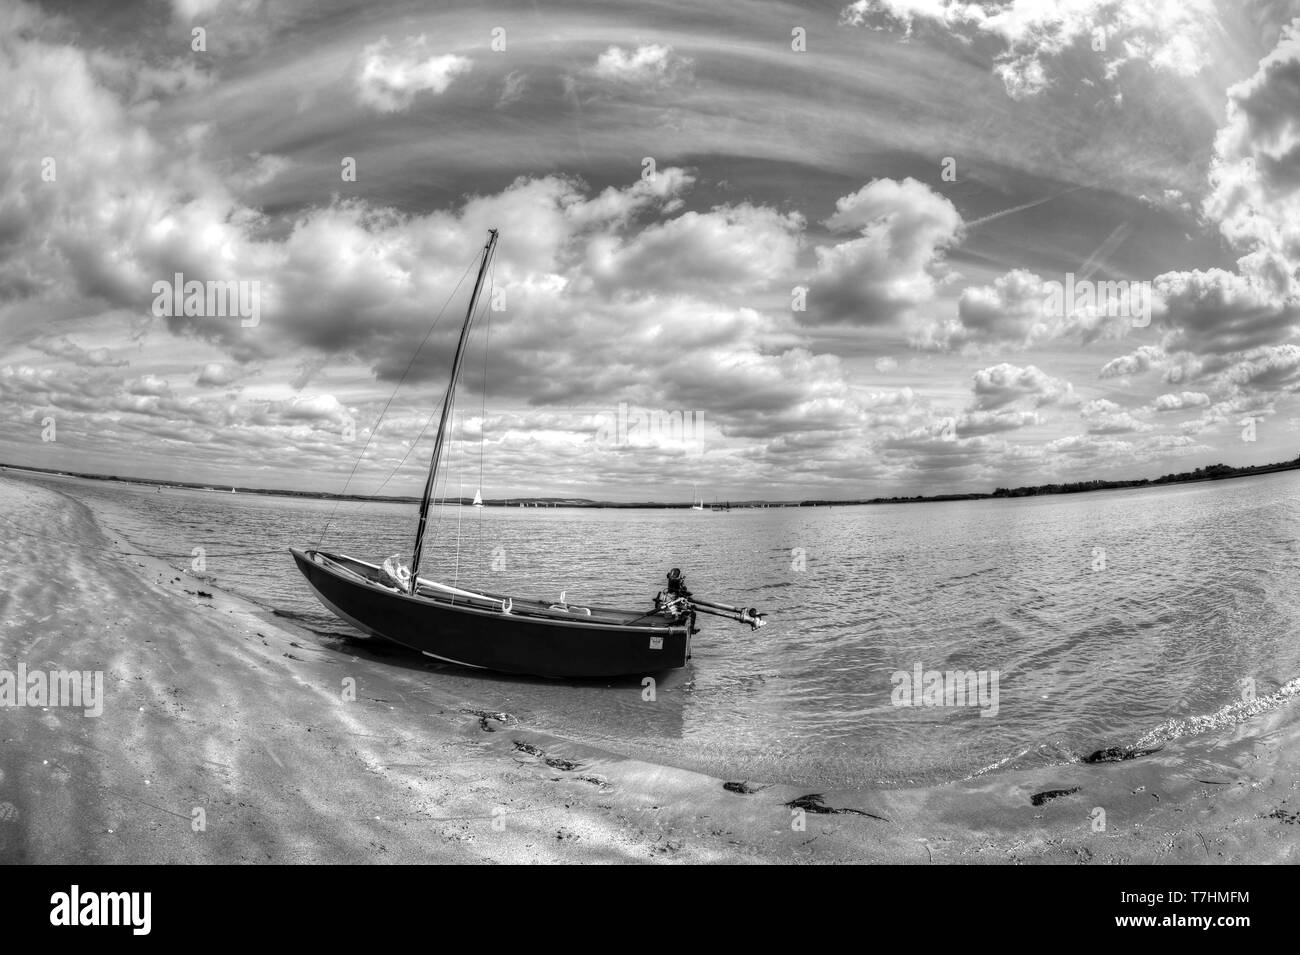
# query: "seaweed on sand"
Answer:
x=555 y=762
x=816 y=803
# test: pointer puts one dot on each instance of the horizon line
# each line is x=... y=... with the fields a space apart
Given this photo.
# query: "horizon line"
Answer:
x=1062 y=487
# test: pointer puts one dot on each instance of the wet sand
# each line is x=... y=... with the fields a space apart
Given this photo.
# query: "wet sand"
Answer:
x=214 y=704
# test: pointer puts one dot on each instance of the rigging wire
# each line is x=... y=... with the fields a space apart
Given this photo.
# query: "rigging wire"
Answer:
x=375 y=427
x=445 y=477
x=460 y=511
x=449 y=396
x=482 y=428
x=487 y=346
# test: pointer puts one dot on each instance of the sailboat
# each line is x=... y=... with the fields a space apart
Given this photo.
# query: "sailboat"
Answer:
x=697 y=502
x=492 y=631
x=478 y=499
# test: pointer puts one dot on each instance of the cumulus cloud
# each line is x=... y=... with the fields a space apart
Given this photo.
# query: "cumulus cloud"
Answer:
x=741 y=247
x=1254 y=200
x=1232 y=329
x=875 y=279
x=1255 y=174
x=1008 y=311
x=1033 y=36
x=149 y=385
x=1142 y=360
x=1020 y=309
x=1218 y=312
x=216 y=375
x=1181 y=402
x=1001 y=385
x=313 y=408
x=1265 y=370
x=1103 y=416
x=1090 y=447
x=390 y=77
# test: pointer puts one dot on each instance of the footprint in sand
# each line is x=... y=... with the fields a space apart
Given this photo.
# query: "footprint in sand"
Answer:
x=8 y=812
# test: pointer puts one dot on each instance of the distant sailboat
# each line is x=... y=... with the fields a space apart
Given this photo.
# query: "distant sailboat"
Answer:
x=696 y=505
x=478 y=499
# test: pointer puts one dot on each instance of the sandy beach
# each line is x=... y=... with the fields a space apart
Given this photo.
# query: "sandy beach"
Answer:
x=214 y=704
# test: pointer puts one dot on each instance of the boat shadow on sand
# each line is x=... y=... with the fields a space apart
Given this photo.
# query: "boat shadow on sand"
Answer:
x=501 y=700
x=385 y=654
x=382 y=652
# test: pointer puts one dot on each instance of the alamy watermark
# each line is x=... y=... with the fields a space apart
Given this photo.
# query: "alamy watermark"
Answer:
x=1119 y=299
x=213 y=299
x=130 y=909
x=78 y=689
x=922 y=687
x=645 y=427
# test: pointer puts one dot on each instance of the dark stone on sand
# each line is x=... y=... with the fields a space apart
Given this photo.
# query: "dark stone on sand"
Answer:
x=744 y=788
x=1039 y=798
x=1117 y=754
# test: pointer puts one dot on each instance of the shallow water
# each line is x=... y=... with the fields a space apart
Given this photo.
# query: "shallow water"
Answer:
x=1197 y=593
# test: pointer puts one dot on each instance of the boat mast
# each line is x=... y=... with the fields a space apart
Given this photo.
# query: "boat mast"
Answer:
x=446 y=406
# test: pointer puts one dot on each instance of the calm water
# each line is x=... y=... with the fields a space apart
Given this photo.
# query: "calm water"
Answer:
x=1198 y=592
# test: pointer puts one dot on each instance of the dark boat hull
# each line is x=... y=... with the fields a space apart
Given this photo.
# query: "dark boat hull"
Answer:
x=528 y=639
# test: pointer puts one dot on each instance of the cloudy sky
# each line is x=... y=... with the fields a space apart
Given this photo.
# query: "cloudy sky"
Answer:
x=826 y=232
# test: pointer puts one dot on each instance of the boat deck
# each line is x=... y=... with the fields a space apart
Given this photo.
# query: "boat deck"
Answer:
x=499 y=603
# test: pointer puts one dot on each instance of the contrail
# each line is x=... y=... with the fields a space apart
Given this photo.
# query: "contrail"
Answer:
x=1100 y=254
x=1014 y=209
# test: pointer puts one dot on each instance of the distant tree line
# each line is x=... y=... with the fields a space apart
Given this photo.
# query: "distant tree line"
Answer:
x=1213 y=472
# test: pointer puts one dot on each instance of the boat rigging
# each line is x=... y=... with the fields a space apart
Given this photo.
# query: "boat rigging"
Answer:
x=501 y=632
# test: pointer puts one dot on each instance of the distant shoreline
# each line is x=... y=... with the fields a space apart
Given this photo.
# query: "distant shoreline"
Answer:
x=382 y=499
x=1214 y=472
